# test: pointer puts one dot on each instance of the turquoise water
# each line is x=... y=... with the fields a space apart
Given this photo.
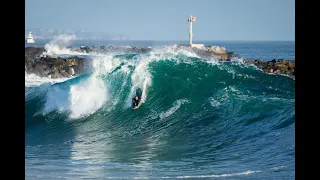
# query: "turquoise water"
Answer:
x=198 y=119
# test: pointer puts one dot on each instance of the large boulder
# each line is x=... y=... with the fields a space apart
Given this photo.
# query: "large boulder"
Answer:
x=220 y=53
x=32 y=53
x=217 y=49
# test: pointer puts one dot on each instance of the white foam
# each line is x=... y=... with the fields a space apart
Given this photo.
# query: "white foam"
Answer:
x=80 y=100
x=233 y=89
x=278 y=167
x=215 y=175
x=277 y=99
x=212 y=61
x=214 y=102
x=246 y=76
x=275 y=74
x=174 y=108
x=104 y=64
x=125 y=69
x=87 y=97
x=238 y=60
x=59 y=45
x=34 y=80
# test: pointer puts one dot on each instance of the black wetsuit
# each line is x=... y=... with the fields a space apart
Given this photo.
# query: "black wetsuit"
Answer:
x=135 y=102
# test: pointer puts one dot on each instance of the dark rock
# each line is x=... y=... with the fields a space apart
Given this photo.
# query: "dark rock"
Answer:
x=85 y=49
x=56 y=67
x=57 y=75
x=275 y=66
x=32 y=53
x=65 y=74
x=273 y=61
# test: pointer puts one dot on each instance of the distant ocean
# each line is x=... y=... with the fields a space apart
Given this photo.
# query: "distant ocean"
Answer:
x=198 y=119
x=264 y=50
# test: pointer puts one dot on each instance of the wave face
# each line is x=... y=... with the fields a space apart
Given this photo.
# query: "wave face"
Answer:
x=197 y=119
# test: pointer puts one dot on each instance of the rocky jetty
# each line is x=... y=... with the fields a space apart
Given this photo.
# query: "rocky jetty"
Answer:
x=275 y=66
x=206 y=52
x=109 y=49
x=37 y=62
x=52 y=67
x=217 y=52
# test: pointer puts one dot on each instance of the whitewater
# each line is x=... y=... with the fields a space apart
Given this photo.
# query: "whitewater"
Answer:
x=198 y=118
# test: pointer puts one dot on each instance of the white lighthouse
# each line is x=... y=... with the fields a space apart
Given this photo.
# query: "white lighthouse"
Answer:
x=191 y=20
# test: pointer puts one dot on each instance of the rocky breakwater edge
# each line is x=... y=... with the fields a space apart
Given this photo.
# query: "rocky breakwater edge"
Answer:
x=37 y=62
x=52 y=66
x=274 y=66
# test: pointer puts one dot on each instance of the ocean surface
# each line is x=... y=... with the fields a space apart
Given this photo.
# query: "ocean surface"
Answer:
x=198 y=118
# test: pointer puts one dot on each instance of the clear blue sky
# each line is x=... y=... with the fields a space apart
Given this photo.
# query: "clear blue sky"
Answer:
x=166 y=19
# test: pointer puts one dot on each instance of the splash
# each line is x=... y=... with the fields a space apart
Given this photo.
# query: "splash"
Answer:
x=80 y=100
x=87 y=97
x=59 y=45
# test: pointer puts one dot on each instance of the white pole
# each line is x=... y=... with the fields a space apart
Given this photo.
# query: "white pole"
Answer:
x=190 y=30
